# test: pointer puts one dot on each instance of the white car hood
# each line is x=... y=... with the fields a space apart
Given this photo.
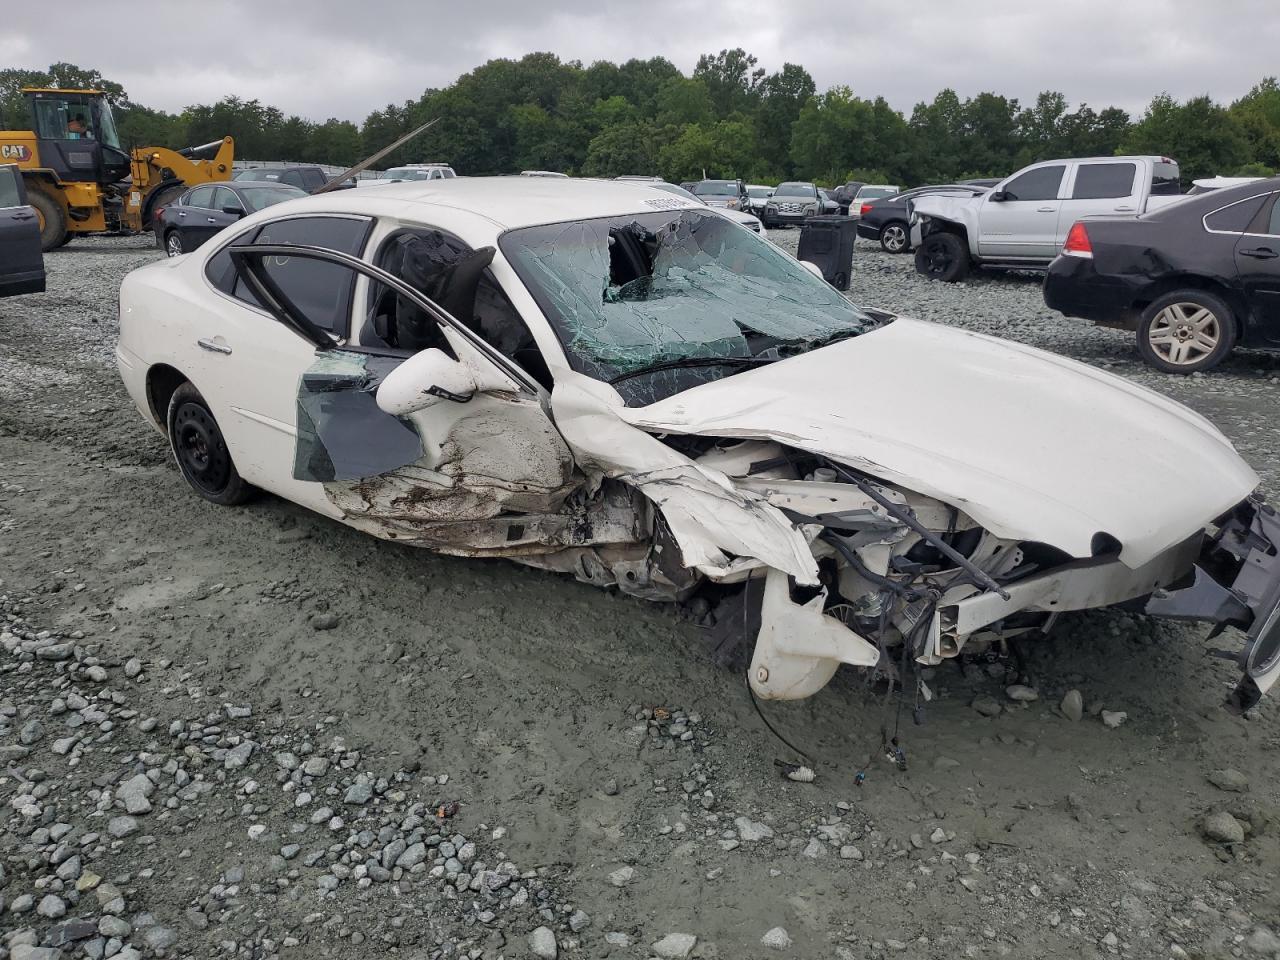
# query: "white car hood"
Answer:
x=1028 y=444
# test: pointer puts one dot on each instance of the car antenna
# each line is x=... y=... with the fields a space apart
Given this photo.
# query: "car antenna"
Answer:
x=367 y=162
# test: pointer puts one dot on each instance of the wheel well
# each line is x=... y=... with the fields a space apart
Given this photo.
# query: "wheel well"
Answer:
x=1189 y=280
x=162 y=381
x=947 y=226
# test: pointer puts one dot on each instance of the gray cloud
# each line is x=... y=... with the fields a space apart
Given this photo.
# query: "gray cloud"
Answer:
x=323 y=58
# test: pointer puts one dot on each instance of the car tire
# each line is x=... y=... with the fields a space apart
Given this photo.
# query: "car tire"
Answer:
x=895 y=237
x=173 y=243
x=943 y=256
x=201 y=451
x=1186 y=331
x=53 y=221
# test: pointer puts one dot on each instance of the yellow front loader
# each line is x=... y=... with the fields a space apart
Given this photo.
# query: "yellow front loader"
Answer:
x=80 y=180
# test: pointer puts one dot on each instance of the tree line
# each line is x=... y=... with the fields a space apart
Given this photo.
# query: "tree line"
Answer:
x=730 y=118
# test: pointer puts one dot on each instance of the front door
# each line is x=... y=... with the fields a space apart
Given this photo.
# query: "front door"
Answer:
x=21 y=262
x=1019 y=219
x=448 y=475
x=1258 y=267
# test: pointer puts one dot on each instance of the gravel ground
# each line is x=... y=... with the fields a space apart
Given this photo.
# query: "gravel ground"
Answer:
x=255 y=733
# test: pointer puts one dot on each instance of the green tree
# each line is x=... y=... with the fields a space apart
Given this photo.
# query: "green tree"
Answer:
x=1258 y=114
x=837 y=132
x=622 y=149
x=1202 y=136
x=731 y=77
x=782 y=96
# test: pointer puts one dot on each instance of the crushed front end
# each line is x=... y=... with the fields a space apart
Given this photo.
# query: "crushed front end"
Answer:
x=1236 y=582
x=907 y=580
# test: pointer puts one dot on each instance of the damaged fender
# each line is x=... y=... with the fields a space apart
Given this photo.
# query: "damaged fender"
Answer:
x=713 y=522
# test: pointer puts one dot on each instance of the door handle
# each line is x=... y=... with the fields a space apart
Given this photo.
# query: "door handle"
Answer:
x=182 y=213
x=1260 y=253
x=211 y=219
x=212 y=346
x=24 y=216
x=1046 y=209
x=1124 y=209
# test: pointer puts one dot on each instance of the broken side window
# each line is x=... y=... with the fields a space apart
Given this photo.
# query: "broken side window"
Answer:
x=448 y=272
x=342 y=432
x=628 y=293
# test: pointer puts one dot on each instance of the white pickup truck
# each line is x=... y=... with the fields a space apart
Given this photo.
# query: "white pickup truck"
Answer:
x=1022 y=223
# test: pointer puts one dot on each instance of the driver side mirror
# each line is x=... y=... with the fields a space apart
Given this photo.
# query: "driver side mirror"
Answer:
x=426 y=378
x=233 y=211
x=999 y=196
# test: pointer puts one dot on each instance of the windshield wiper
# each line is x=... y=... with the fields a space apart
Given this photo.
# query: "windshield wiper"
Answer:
x=686 y=362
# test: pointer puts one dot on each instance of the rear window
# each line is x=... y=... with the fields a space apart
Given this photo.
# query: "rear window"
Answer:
x=1236 y=217
x=1101 y=181
x=321 y=290
x=1166 y=179
x=259 y=198
x=875 y=193
x=9 y=187
x=201 y=197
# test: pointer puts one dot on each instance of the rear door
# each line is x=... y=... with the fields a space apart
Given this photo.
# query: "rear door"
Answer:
x=1020 y=218
x=21 y=262
x=1099 y=188
x=195 y=219
x=1258 y=267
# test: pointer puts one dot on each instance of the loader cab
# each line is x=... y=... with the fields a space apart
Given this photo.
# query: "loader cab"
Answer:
x=76 y=135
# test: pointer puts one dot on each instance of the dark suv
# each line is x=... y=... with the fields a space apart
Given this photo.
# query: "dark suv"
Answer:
x=21 y=262
x=309 y=179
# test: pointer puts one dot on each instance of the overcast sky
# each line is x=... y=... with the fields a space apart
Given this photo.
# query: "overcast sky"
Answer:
x=323 y=58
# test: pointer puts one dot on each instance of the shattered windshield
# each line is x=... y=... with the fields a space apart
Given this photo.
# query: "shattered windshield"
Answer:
x=652 y=301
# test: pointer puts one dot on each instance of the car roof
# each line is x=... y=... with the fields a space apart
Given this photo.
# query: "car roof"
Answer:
x=293 y=166
x=506 y=202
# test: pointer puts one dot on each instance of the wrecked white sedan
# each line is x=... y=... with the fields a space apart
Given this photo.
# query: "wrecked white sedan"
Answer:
x=607 y=380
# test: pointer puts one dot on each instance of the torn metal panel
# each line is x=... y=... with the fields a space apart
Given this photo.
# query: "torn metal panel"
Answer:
x=799 y=648
x=342 y=433
x=477 y=460
x=711 y=520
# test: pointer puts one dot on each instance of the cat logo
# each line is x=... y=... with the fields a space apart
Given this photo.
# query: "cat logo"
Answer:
x=15 y=151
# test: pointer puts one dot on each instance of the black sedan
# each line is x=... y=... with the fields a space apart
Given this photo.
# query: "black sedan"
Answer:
x=888 y=218
x=202 y=211
x=1194 y=279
